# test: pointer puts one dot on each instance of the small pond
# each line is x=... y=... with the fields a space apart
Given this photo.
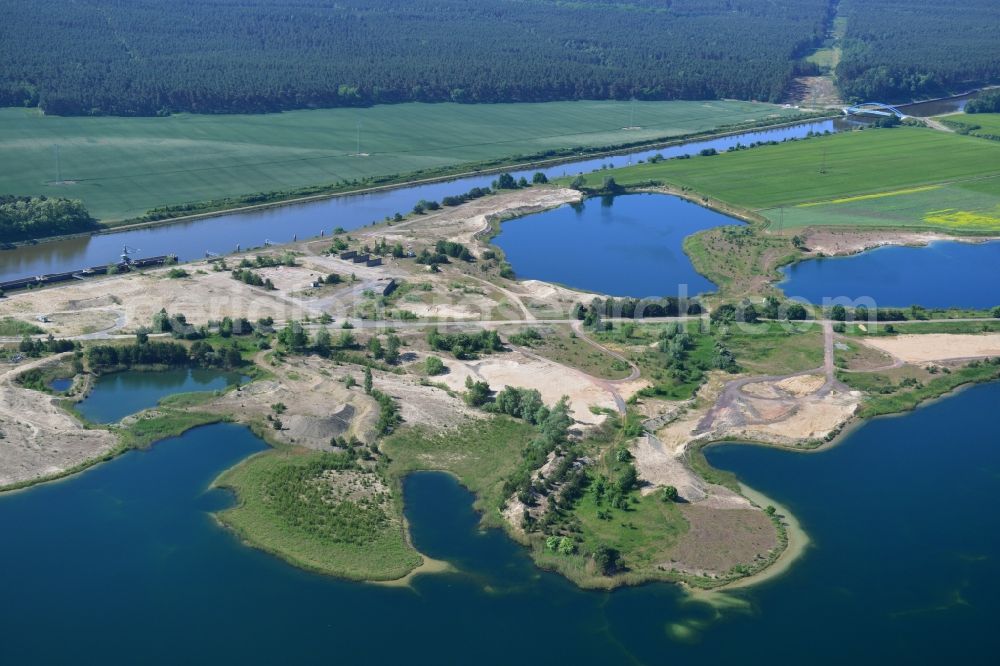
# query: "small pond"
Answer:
x=631 y=245
x=61 y=385
x=117 y=395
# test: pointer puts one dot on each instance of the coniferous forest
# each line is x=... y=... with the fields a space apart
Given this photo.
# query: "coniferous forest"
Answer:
x=897 y=50
x=144 y=57
x=148 y=57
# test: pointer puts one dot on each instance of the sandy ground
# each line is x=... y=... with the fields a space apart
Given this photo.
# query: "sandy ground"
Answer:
x=121 y=303
x=927 y=347
x=40 y=439
x=550 y=379
x=466 y=223
x=319 y=406
x=814 y=92
x=784 y=411
x=801 y=385
x=832 y=242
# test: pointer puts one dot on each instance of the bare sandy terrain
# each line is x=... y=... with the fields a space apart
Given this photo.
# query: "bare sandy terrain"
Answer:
x=38 y=438
x=550 y=379
x=927 y=347
x=833 y=242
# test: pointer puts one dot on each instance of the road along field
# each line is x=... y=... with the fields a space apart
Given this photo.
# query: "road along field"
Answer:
x=901 y=177
x=122 y=167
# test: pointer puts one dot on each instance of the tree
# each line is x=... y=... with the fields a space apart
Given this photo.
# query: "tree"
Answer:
x=346 y=340
x=669 y=494
x=796 y=312
x=838 y=313
x=607 y=559
x=505 y=182
x=294 y=337
x=578 y=183
x=434 y=366
x=725 y=313
x=477 y=392
x=368 y=380
x=393 y=344
x=629 y=479
x=539 y=178
x=375 y=348
x=323 y=342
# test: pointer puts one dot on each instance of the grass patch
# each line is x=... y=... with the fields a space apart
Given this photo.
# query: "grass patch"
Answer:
x=741 y=260
x=773 y=348
x=983 y=125
x=562 y=346
x=699 y=464
x=322 y=512
x=906 y=395
x=482 y=454
x=155 y=425
x=674 y=375
x=10 y=327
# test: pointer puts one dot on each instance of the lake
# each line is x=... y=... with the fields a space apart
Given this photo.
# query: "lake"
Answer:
x=125 y=564
x=119 y=394
x=631 y=245
x=942 y=274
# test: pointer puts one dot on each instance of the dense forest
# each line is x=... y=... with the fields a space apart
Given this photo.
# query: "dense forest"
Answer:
x=146 y=57
x=897 y=50
x=34 y=217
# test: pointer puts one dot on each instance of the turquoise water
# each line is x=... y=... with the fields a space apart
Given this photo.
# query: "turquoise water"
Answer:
x=119 y=394
x=940 y=275
x=629 y=245
x=124 y=564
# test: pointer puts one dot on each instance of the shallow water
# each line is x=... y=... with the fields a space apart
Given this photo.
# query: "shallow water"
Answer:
x=123 y=564
x=629 y=245
x=119 y=394
x=942 y=274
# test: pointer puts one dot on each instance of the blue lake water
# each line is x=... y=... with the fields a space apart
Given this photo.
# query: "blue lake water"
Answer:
x=630 y=245
x=61 y=385
x=942 y=274
x=124 y=564
x=119 y=394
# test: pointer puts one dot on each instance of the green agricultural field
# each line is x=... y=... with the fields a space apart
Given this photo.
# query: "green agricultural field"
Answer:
x=963 y=206
x=122 y=167
x=900 y=177
x=985 y=125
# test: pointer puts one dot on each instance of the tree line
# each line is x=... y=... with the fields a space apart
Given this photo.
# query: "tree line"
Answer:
x=148 y=57
x=22 y=218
